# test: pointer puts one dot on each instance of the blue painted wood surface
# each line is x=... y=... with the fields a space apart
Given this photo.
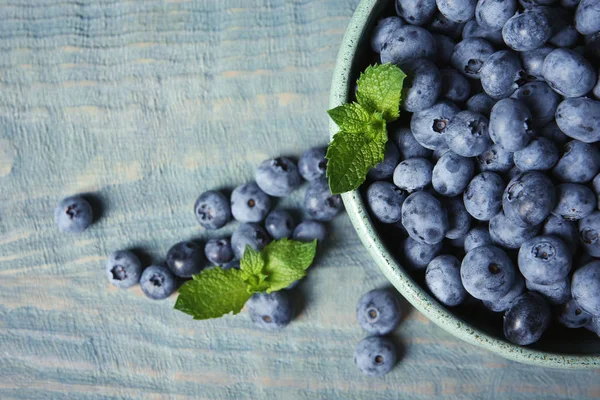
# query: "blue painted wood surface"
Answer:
x=146 y=104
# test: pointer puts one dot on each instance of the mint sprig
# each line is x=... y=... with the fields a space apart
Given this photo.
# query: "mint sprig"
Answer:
x=360 y=143
x=216 y=292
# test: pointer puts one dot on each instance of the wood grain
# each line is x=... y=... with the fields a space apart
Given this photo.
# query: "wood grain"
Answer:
x=145 y=104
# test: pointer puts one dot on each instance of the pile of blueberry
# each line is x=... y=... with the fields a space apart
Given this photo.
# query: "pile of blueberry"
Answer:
x=250 y=204
x=492 y=179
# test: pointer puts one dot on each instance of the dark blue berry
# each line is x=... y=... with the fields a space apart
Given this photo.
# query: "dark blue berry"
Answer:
x=553 y=133
x=579 y=118
x=501 y=74
x=212 y=210
x=73 y=214
x=429 y=126
x=473 y=29
x=378 y=312
x=487 y=273
x=249 y=203
x=418 y=255
x=312 y=164
x=527 y=319
x=470 y=55
x=457 y=10
x=481 y=103
x=568 y=73
x=407 y=144
x=483 y=197
x=279 y=224
x=586 y=287
x=587 y=17
x=541 y=101
x=375 y=356
x=443 y=280
x=540 y=154
x=507 y=233
x=544 y=260
x=495 y=159
x=533 y=61
x=528 y=30
x=271 y=311
x=493 y=14
x=451 y=174
x=185 y=259
x=511 y=124
x=467 y=134
x=157 y=282
x=554 y=293
x=574 y=201
x=123 y=269
x=278 y=177
x=444 y=47
x=508 y=300
x=424 y=218
x=416 y=12
x=422 y=85
x=572 y=315
x=477 y=237
x=459 y=220
x=219 y=251
x=385 y=201
x=384 y=29
x=579 y=163
x=529 y=198
x=385 y=169
x=252 y=235
x=413 y=174
x=408 y=43
x=562 y=229
x=589 y=233
x=319 y=203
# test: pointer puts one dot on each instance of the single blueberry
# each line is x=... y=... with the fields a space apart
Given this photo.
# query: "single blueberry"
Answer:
x=158 y=282
x=528 y=30
x=413 y=174
x=495 y=159
x=378 y=312
x=451 y=174
x=407 y=144
x=249 y=203
x=443 y=280
x=477 y=237
x=309 y=230
x=589 y=233
x=444 y=47
x=529 y=198
x=473 y=29
x=219 y=251
x=408 y=43
x=424 y=218
x=384 y=29
x=507 y=233
x=493 y=14
x=564 y=230
x=422 y=85
x=212 y=210
x=568 y=73
x=487 y=273
x=554 y=293
x=579 y=163
x=467 y=134
x=385 y=201
x=527 y=319
x=418 y=255
x=375 y=356
x=278 y=177
x=459 y=220
x=416 y=12
x=539 y=155
x=541 y=101
x=270 y=311
x=579 y=118
x=319 y=203
x=185 y=259
x=481 y=103
x=572 y=315
x=511 y=124
x=575 y=201
x=544 y=260
x=123 y=269
x=385 y=169
x=502 y=74
x=73 y=214
x=252 y=235
x=457 y=10
x=483 y=197
x=470 y=55
x=509 y=298
x=279 y=224
x=586 y=287
x=533 y=61
x=587 y=17
x=429 y=126
x=313 y=164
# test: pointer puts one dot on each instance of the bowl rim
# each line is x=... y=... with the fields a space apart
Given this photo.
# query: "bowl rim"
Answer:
x=393 y=271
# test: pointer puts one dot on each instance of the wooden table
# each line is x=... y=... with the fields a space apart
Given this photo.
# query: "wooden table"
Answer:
x=145 y=104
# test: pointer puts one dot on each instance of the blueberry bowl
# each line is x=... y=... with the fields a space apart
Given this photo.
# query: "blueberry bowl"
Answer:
x=559 y=347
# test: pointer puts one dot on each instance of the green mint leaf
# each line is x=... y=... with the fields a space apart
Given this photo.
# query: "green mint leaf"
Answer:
x=350 y=157
x=351 y=117
x=213 y=293
x=287 y=261
x=252 y=267
x=380 y=89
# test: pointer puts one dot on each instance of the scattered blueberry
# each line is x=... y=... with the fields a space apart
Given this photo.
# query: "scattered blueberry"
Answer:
x=385 y=201
x=470 y=55
x=443 y=279
x=528 y=30
x=219 y=251
x=413 y=174
x=378 y=312
x=319 y=203
x=312 y=164
x=429 y=126
x=451 y=174
x=424 y=218
x=579 y=118
x=252 y=235
x=422 y=85
x=544 y=260
x=483 y=197
x=185 y=259
x=73 y=214
x=123 y=269
x=309 y=230
x=277 y=177
x=540 y=154
x=487 y=273
x=574 y=201
x=271 y=311
x=418 y=255
x=529 y=198
x=507 y=233
x=501 y=74
x=375 y=356
x=511 y=124
x=249 y=203
x=158 y=282
x=527 y=319
x=212 y=210
x=408 y=43
x=568 y=73
x=279 y=224
x=579 y=163
x=467 y=134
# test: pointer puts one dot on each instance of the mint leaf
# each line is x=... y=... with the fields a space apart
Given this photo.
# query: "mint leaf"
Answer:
x=213 y=293
x=252 y=267
x=380 y=89
x=351 y=117
x=287 y=261
x=350 y=156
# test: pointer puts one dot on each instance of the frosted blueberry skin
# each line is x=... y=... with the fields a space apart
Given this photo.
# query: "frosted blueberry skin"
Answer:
x=407 y=144
x=319 y=203
x=476 y=237
x=569 y=73
x=378 y=312
x=278 y=177
x=429 y=126
x=481 y=103
x=313 y=164
x=451 y=174
x=580 y=163
x=540 y=154
x=219 y=251
x=574 y=201
x=458 y=11
x=511 y=124
x=562 y=229
x=554 y=293
x=502 y=74
x=495 y=159
x=493 y=14
x=467 y=134
x=384 y=29
x=579 y=118
x=529 y=198
x=527 y=319
x=459 y=220
x=541 y=101
x=589 y=233
x=585 y=287
x=271 y=311
x=470 y=55
x=424 y=218
x=385 y=169
x=123 y=269
x=487 y=273
x=185 y=259
x=158 y=282
x=375 y=356
x=279 y=224
x=413 y=174
x=508 y=300
x=212 y=210
x=552 y=132
x=443 y=280
x=442 y=25
x=422 y=85
x=309 y=230
x=483 y=196
x=533 y=61
x=527 y=31
x=572 y=315
x=544 y=260
x=73 y=214
x=247 y=234
x=249 y=203
x=385 y=201
x=416 y=12
x=444 y=47
x=418 y=255
x=408 y=43
x=587 y=17
x=507 y=233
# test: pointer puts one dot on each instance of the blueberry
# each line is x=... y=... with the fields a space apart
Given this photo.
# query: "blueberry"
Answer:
x=501 y=74
x=572 y=315
x=575 y=201
x=429 y=126
x=451 y=174
x=413 y=174
x=73 y=214
x=511 y=124
x=375 y=356
x=495 y=159
x=568 y=73
x=470 y=55
x=481 y=103
x=541 y=101
x=533 y=61
x=467 y=134
x=279 y=224
x=385 y=201
x=444 y=47
x=539 y=155
x=443 y=280
x=309 y=230
x=509 y=298
x=457 y=10
x=487 y=273
x=477 y=237
x=562 y=229
x=408 y=43
x=249 y=203
x=252 y=235
x=378 y=312
x=278 y=177
x=385 y=169
x=527 y=319
x=212 y=209
x=473 y=29
x=565 y=37
x=527 y=31
x=418 y=255
x=424 y=218
x=529 y=198
x=219 y=251
x=493 y=14
x=185 y=259
x=587 y=17
x=459 y=220
x=312 y=164
x=319 y=203
x=544 y=260
x=483 y=197
x=123 y=269
x=579 y=118
x=270 y=311
x=441 y=24
x=586 y=287
x=553 y=132
x=422 y=85
x=589 y=233
x=416 y=12
x=505 y=232
x=157 y=282
x=579 y=163
x=554 y=293
x=408 y=145
x=383 y=30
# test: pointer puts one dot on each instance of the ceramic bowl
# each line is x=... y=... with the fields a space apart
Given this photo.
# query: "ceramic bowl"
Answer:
x=559 y=348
